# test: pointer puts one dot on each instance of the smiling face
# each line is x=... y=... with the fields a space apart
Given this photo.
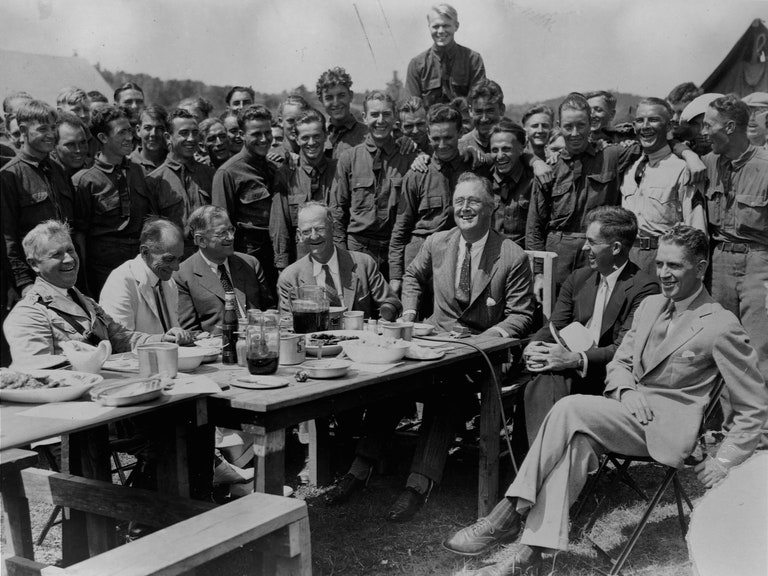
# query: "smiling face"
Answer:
x=679 y=275
x=442 y=29
x=602 y=114
x=757 y=132
x=601 y=254
x=234 y=133
x=336 y=101
x=575 y=127
x=183 y=139
x=257 y=137
x=133 y=100
x=119 y=142
x=485 y=114
x=718 y=129
x=315 y=231
x=150 y=132
x=39 y=138
x=163 y=258
x=56 y=261
x=240 y=99
x=506 y=151
x=472 y=210
x=444 y=137
x=310 y=137
x=72 y=146
x=379 y=116
x=217 y=143
x=414 y=124
x=651 y=124
x=538 y=127
x=217 y=243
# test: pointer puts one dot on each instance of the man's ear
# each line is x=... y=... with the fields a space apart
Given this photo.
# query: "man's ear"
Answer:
x=502 y=109
x=101 y=137
x=730 y=127
x=137 y=129
x=167 y=138
x=701 y=268
x=33 y=264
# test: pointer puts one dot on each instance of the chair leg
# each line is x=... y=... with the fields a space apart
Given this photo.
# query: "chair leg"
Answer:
x=589 y=489
x=629 y=546
x=679 y=494
x=624 y=476
x=118 y=467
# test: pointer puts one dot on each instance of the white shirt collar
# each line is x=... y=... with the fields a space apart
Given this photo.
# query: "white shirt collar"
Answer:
x=613 y=277
x=478 y=245
x=153 y=278
x=215 y=267
x=60 y=291
x=333 y=264
x=657 y=156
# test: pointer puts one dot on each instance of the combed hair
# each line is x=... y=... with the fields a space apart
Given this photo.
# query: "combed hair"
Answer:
x=691 y=239
x=684 y=93
x=482 y=180
x=730 y=106
x=444 y=10
x=201 y=218
x=207 y=124
x=310 y=116
x=460 y=103
x=72 y=95
x=315 y=204
x=574 y=101
x=335 y=76
x=197 y=103
x=153 y=229
x=489 y=90
x=72 y=120
x=180 y=113
x=609 y=98
x=125 y=87
x=294 y=100
x=411 y=105
x=539 y=109
x=157 y=113
x=253 y=112
x=617 y=224
x=42 y=232
x=379 y=95
x=444 y=113
x=8 y=108
x=101 y=117
x=509 y=126
x=234 y=89
x=96 y=96
x=227 y=114
x=35 y=111
x=651 y=101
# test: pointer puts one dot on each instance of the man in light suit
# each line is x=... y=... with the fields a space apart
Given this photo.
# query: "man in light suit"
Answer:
x=141 y=293
x=214 y=269
x=53 y=310
x=658 y=385
x=602 y=297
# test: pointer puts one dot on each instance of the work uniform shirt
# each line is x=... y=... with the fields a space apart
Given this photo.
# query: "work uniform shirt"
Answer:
x=663 y=196
x=344 y=136
x=147 y=166
x=180 y=189
x=424 y=207
x=31 y=191
x=442 y=74
x=737 y=196
x=368 y=187
x=512 y=196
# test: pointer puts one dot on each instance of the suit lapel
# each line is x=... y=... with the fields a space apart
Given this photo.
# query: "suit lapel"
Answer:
x=349 y=279
x=487 y=266
x=238 y=279
x=686 y=327
x=145 y=288
x=206 y=278
x=624 y=282
x=63 y=304
x=585 y=299
x=644 y=327
x=445 y=282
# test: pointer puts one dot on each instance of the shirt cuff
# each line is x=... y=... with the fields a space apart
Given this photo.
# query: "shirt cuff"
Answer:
x=584 y=364
x=504 y=333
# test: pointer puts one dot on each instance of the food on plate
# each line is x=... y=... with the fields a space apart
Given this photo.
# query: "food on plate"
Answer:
x=10 y=380
x=301 y=376
x=328 y=339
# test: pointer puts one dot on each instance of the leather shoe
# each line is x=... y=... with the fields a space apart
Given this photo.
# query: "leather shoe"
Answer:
x=407 y=504
x=525 y=562
x=343 y=489
x=480 y=536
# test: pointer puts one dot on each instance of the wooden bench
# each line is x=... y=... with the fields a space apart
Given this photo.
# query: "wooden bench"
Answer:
x=257 y=534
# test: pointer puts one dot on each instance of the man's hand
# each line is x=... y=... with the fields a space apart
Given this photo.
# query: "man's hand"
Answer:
x=545 y=357
x=178 y=335
x=542 y=171
x=420 y=163
x=409 y=317
x=636 y=403
x=696 y=167
x=406 y=145
x=396 y=285
x=276 y=157
x=710 y=472
x=538 y=288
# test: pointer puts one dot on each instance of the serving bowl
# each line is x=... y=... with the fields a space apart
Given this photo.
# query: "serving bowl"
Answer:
x=382 y=351
x=329 y=368
x=190 y=357
x=421 y=329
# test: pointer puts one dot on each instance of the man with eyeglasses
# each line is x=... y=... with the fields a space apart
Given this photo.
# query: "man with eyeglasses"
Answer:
x=181 y=184
x=657 y=188
x=215 y=269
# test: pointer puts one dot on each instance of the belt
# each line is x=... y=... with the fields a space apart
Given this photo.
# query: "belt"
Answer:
x=562 y=234
x=371 y=243
x=741 y=247
x=647 y=242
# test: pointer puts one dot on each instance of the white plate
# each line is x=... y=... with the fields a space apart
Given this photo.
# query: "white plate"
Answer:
x=333 y=349
x=73 y=385
x=123 y=362
x=42 y=362
x=416 y=352
x=255 y=382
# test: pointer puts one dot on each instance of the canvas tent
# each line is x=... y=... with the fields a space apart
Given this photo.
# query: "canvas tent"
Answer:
x=44 y=76
x=745 y=68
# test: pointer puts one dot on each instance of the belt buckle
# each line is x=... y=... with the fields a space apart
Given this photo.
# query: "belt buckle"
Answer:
x=645 y=242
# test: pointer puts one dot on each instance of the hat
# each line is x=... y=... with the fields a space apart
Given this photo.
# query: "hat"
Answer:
x=698 y=106
x=756 y=100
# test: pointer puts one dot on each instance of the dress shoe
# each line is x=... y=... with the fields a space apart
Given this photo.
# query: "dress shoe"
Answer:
x=525 y=562
x=343 y=489
x=480 y=536
x=407 y=504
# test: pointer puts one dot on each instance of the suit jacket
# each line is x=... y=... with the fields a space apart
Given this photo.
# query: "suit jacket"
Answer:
x=201 y=295
x=364 y=287
x=704 y=340
x=129 y=297
x=576 y=303
x=501 y=288
x=35 y=328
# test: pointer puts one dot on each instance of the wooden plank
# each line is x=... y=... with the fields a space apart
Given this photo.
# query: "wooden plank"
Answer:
x=18 y=566
x=106 y=499
x=15 y=459
x=319 y=453
x=16 y=520
x=490 y=424
x=269 y=462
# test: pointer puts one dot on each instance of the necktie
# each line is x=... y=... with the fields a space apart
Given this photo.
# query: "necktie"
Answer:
x=464 y=293
x=640 y=170
x=330 y=287
x=658 y=333
x=314 y=185
x=226 y=283
x=162 y=308
x=73 y=295
x=121 y=182
x=446 y=66
x=377 y=161
x=601 y=299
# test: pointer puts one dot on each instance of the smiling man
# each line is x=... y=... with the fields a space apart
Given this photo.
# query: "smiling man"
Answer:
x=657 y=386
x=181 y=184
x=131 y=96
x=486 y=107
x=240 y=97
x=413 y=122
x=214 y=142
x=334 y=90
x=111 y=199
x=446 y=70
x=657 y=188
x=71 y=147
x=152 y=150
x=538 y=122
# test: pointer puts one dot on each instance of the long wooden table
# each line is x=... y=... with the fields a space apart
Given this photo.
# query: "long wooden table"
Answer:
x=267 y=413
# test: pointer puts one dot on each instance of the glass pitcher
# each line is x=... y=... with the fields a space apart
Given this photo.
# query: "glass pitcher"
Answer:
x=263 y=338
x=311 y=309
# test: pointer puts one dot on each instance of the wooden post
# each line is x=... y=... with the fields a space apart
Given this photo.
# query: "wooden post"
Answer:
x=490 y=424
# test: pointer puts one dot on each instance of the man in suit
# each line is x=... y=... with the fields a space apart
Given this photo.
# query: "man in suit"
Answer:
x=602 y=297
x=53 y=310
x=214 y=269
x=141 y=293
x=657 y=387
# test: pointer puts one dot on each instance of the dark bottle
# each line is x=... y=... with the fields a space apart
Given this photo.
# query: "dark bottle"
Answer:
x=229 y=330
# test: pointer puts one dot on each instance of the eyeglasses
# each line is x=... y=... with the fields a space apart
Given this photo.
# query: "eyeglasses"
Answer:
x=315 y=230
x=224 y=234
x=471 y=202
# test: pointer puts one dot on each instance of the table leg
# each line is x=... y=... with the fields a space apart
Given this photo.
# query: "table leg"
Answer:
x=319 y=453
x=490 y=425
x=269 y=460
x=16 y=519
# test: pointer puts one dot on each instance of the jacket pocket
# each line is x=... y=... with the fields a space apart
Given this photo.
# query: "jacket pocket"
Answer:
x=106 y=202
x=363 y=195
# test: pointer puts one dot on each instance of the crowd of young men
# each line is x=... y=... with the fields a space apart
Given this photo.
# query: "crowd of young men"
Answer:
x=431 y=200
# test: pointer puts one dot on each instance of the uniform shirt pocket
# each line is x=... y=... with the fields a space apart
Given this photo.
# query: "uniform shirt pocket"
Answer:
x=106 y=201
x=363 y=195
x=752 y=213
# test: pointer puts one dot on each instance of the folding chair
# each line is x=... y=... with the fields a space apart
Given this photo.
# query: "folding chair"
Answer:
x=622 y=462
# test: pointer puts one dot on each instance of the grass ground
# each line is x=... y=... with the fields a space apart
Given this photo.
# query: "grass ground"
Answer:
x=355 y=539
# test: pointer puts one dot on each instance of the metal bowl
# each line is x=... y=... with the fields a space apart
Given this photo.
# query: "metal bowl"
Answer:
x=330 y=368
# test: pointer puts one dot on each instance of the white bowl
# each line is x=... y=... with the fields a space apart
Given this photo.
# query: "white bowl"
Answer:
x=211 y=354
x=381 y=352
x=420 y=329
x=330 y=368
x=72 y=386
x=190 y=357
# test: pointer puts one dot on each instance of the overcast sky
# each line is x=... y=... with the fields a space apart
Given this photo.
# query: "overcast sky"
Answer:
x=536 y=49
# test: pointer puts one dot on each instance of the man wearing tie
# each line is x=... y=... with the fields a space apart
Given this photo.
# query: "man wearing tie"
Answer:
x=603 y=297
x=141 y=293
x=657 y=386
x=215 y=269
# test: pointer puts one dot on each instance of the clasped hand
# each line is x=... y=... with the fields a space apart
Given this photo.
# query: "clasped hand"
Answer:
x=544 y=357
